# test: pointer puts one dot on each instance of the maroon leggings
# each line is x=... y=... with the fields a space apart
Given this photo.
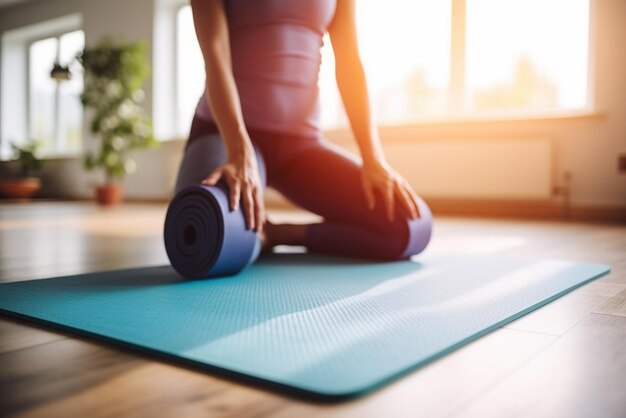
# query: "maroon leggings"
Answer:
x=317 y=176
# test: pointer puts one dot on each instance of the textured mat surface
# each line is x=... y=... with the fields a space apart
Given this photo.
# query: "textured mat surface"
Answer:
x=325 y=326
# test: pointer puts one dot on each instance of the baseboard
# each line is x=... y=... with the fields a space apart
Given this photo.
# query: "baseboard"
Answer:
x=599 y=214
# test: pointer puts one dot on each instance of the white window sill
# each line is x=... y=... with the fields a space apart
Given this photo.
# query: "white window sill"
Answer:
x=469 y=124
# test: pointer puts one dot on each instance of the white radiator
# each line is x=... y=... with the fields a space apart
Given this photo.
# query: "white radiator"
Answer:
x=484 y=169
x=514 y=169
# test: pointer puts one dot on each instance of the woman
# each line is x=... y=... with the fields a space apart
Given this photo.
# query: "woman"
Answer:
x=259 y=116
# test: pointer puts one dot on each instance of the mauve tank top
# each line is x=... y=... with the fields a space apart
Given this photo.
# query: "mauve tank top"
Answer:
x=275 y=49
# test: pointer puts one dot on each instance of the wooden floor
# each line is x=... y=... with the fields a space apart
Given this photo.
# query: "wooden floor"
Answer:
x=567 y=359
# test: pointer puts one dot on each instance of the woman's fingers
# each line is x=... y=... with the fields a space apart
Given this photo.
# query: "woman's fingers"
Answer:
x=234 y=185
x=369 y=194
x=414 y=199
x=244 y=188
x=391 y=186
x=406 y=200
x=259 y=207
x=249 y=204
x=213 y=178
x=401 y=195
x=233 y=182
x=389 y=199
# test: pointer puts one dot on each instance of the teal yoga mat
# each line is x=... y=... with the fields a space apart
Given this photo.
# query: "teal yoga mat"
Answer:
x=314 y=325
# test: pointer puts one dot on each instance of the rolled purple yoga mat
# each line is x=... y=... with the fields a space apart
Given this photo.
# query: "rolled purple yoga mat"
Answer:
x=204 y=238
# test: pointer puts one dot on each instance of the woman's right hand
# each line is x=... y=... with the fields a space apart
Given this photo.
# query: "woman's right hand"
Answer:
x=241 y=173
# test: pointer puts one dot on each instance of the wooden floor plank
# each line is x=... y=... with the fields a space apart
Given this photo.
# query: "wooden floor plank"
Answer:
x=44 y=373
x=15 y=336
x=614 y=306
x=438 y=388
x=76 y=378
x=583 y=374
x=561 y=315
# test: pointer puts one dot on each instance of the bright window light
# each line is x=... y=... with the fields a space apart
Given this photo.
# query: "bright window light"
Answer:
x=55 y=111
x=526 y=55
x=405 y=49
x=189 y=70
x=42 y=88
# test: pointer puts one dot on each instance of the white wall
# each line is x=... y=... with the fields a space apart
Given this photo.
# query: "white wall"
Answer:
x=587 y=146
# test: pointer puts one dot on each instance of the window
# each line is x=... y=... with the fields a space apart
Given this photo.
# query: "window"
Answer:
x=437 y=59
x=405 y=49
x=526 y=55
x=189 y=70
x=54 y=108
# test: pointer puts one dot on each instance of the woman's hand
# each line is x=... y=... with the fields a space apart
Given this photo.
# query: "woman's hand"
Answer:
x=241 y=173
x=379 y=176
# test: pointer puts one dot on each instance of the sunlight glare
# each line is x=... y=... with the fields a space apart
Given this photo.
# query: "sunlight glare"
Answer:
x=551 y=34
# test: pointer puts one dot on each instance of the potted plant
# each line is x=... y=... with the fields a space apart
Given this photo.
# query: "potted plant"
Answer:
x=113 y=75
x=22 y=185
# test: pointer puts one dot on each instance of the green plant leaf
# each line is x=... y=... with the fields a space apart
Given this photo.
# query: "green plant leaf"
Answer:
x=113 y=75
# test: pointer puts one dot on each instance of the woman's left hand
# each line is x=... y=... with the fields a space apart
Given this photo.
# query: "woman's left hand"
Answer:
x=379 y=176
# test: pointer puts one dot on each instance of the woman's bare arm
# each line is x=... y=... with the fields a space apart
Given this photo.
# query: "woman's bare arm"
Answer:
x=377 y=174
x=241 y=170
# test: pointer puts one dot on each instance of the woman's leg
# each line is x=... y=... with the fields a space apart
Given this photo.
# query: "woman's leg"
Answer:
x=202 y=156
x=327 y=181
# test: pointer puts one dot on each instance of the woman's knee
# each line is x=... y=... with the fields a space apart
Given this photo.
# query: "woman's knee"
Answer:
x=417 y=232
x=407 y=236
x=392 y=243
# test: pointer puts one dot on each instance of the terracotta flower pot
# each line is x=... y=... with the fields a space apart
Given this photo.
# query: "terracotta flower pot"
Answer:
x=20 y=188
x=109 y=194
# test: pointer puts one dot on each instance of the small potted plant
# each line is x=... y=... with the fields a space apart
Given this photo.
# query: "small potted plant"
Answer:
x=113 y=74
x=22 y=185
